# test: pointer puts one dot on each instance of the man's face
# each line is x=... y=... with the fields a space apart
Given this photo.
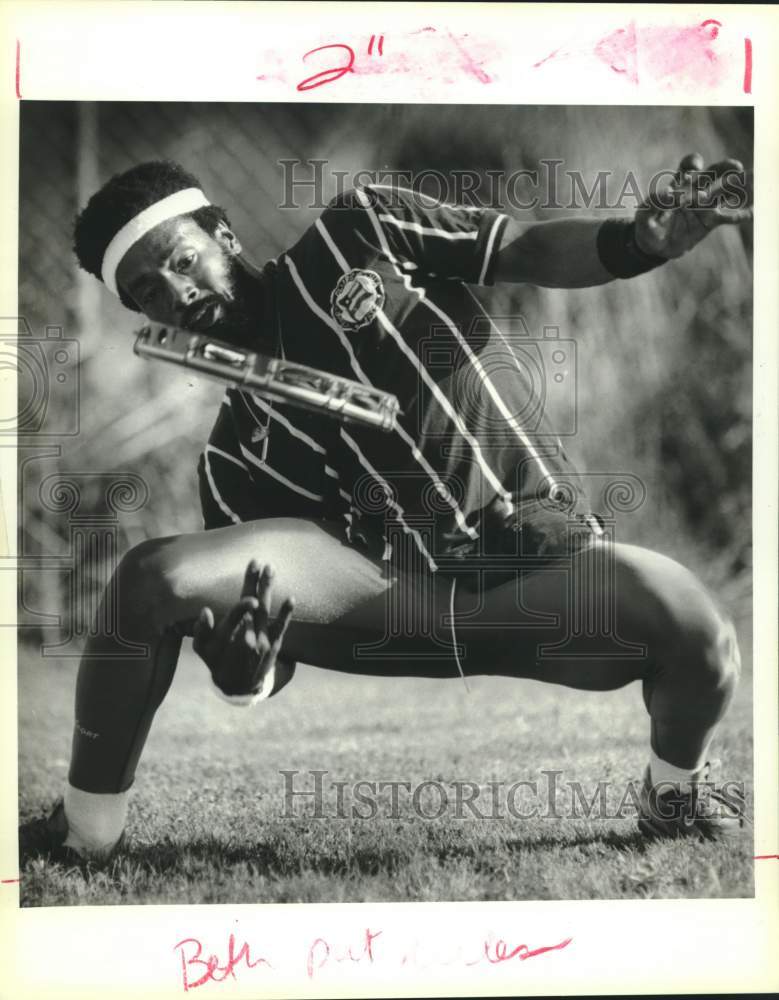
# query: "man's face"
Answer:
x=179 y=275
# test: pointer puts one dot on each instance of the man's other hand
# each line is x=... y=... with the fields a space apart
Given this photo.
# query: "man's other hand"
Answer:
x=242 y=649
x=681 y=213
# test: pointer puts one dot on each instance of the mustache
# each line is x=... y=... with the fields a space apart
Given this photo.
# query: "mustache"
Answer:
x=231 y=303
x=192 y=311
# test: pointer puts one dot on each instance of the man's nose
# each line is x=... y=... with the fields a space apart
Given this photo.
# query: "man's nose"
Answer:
x=182 y=289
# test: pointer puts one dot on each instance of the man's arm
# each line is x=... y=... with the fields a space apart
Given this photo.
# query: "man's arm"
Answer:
x=558 y=254
x=581 y=253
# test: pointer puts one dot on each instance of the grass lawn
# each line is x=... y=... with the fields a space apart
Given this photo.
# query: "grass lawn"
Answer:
x=208 y=823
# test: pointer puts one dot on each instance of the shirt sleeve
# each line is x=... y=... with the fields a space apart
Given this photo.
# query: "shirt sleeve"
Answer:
x=417 y=232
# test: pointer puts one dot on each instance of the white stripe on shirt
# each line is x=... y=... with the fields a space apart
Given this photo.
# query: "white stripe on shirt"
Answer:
x=432 y=201
x=428 y=230
x=327 y=319
x=493 y=480
x=488 y=384
x=488 y=251
x=277 y=475
x=486 y=381
x=215 y=492
x=437 y=204
x=230 y=458
x=390 y=500
x=301 y=435
x=441 y=489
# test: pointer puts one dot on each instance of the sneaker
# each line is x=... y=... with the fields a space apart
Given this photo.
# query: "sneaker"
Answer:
x=706 y=811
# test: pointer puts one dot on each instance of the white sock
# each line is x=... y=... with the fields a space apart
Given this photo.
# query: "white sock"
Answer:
x=95 y=821
x=662 y=771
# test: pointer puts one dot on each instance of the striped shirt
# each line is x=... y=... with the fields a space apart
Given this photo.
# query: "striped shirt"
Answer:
x=377 y=291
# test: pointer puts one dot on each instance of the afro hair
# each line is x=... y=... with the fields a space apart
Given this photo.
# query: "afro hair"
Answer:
x=122 y=198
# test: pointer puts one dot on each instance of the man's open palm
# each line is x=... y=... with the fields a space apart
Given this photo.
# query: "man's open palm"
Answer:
x=242 y=649
x=677 y=217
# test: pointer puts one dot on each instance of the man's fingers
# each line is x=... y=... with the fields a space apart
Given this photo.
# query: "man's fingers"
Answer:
x=731 y=196
x=244 y=624
x=277 y=629
x=251 y=579
x=733 y=217
x=688 y=166
x=264 y=597
x=204 y=626
x=226 y=627
x=726 y=166
x=690 y=162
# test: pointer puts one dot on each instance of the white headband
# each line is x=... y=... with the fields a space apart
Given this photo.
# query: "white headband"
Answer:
x=175 y=204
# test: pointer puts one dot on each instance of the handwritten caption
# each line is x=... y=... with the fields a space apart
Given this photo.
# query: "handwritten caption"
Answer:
x=322 y=955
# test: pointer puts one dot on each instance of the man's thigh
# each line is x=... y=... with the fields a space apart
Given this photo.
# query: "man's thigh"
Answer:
x=349 y=613
x=595 y=621
x=609 y=614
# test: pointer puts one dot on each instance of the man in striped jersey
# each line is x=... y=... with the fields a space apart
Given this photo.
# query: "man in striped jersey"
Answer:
x=401 y=551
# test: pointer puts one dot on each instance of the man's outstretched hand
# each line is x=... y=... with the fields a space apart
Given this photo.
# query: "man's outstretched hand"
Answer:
x=243 y=648
x=674 y=218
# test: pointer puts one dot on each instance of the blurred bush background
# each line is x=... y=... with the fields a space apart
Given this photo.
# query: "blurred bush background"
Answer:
x=664 y=360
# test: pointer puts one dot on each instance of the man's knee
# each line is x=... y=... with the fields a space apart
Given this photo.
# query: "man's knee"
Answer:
x=146 y=584
x=689 y=635
x=722 y=656
x=703 y=642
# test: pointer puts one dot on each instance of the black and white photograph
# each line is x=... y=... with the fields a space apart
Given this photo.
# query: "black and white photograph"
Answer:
x=384 y=502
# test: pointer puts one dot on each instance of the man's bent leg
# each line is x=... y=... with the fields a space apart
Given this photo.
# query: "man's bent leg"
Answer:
x=636 y=615
x=686 y=658
x=160 y=586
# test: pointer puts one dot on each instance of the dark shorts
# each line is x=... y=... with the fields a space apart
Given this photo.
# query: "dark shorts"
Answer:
x=535 y=535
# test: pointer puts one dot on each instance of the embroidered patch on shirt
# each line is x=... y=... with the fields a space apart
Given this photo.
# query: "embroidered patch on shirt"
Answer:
x=356 y=298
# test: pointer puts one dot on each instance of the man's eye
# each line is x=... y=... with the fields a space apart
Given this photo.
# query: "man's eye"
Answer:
x=186 y=261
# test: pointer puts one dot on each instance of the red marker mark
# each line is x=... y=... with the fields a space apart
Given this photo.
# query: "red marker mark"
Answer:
x=327 y=75
x=717 y=25
x=320 y=953
x=669 y=55
x=500 y=952
x=9 y=881
x=449 y=59
x=767 y=857
x=747 y=65
x=213 y=969
x=551 y=55
x=18 y=69
x=469 y=63
x=619 y=50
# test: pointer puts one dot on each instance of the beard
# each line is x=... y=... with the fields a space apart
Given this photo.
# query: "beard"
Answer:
x=235 y=317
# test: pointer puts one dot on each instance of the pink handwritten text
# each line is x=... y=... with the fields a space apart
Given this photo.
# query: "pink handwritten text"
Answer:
x=325 y=954
x=190 y=951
